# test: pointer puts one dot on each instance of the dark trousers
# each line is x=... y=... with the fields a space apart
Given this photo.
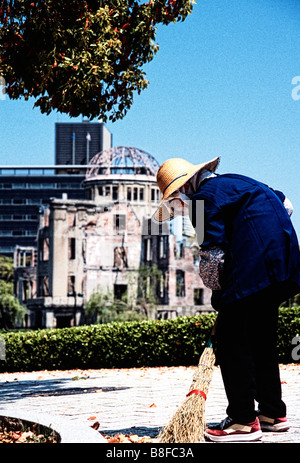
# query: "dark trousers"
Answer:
x=246 y=340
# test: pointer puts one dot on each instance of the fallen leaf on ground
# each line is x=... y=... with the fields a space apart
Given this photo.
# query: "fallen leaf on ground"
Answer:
x=95 y=425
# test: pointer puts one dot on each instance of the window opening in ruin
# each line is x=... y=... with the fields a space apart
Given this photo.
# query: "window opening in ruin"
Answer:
x=72 y=249
x=198 y=296
x=162 y=286
x=147 y=249
x=179 y=250
x=71 y=284
x=162 y=247
x=119 y=222
x=44 y=286
x=45 y=249
x=115 y=193
x=120 y=292
x=25 y=290
x=180 y=286
x=39 y=319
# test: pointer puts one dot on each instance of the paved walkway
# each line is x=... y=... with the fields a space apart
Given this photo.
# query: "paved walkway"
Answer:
x=138 y=401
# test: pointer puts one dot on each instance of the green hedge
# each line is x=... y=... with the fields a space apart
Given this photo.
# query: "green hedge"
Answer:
x=126 y=344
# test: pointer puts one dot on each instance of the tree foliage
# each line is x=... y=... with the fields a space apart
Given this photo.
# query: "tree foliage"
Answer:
x=102 y=307
x=81 y=57
x=6 y=269
x=10 y=309
x=149 y=278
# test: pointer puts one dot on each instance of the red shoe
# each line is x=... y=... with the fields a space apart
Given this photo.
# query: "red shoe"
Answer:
x=230 y=431
x=273 y=424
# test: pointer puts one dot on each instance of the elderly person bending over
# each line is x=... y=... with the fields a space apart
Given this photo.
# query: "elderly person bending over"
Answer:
x=250 y=259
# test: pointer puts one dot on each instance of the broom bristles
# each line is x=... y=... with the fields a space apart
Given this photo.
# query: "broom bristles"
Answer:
x=188 y=422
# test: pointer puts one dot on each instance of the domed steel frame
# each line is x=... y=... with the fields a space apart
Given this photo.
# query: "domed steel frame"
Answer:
x=122 y=160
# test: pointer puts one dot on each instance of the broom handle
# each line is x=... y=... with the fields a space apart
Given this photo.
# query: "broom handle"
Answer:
x=209 y=342
x=207 y=360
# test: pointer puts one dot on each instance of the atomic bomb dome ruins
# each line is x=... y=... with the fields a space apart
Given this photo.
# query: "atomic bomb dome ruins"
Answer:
x=101 y=243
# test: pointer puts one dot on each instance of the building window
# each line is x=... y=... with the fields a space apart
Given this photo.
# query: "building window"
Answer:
x=179 y=250
x=198 y=296
x=71 y=284
x=120 y=257
x=129 y=194
x=43 y=286
x=45 y=255
x=72 y=249
x=120 y=292
x=180 y=286
x=115 y=193
x=162 y=286
x=155 y=195
x=119 y=222
x=141 y=194
x=147 y=249
x=135 y=194
x=162 y=247
x=19 y=201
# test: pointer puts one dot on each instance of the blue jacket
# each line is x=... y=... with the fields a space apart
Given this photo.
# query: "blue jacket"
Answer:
x=248 y=221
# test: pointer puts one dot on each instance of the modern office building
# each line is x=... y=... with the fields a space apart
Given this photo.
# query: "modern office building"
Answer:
x=23 y=192
x=77 y=143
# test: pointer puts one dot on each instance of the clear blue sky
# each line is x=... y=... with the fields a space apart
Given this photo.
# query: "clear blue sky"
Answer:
x=221 y=84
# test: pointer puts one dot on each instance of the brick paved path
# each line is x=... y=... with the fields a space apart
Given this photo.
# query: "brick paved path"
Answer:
x=138 y=401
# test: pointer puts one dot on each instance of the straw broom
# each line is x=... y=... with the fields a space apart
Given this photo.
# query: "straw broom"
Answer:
x=188 y=422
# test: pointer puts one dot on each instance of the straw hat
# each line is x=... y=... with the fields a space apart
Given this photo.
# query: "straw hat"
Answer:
x=171 y=176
